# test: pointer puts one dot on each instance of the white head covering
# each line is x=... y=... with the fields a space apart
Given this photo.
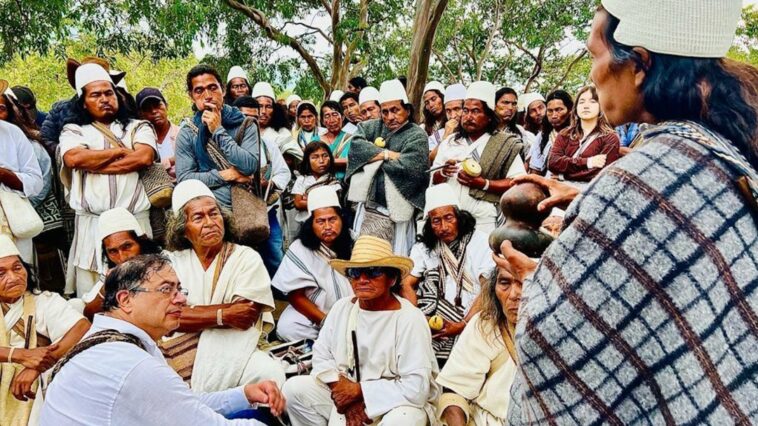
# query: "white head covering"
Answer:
x=321 y=197
x=90 y=73
x=434 y=85
x=262 y=88
x=455 y=92
x=527 y=98
x=336 y=95
x=695 y=28
x=292 y=98
x=483 y=91
x=117 y=220
x=187 y=190
x=236 y=72
x=439 y=196
x=392 y=90
x=368 y=94
x=7 y=247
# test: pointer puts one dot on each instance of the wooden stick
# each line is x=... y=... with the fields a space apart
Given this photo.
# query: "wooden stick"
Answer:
x=355 y=357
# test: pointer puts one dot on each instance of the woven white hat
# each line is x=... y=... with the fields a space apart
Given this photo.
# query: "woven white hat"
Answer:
x=7 y=247
x=483 y=91
x=321 y=197
x=439 y=196
x=455 y=92
x=336 y=95
x=527 y=98
x=368 y=94
x=117 y=220
x=236 y=72
x=262 y=88
x=434 y=85
x=90 y=73
x=292 y=98
x=187 y=190
x=392 y=90
x=693 y=28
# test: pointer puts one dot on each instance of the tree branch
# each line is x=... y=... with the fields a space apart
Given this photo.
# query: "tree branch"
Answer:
x=582 y=54
x=315 y=29
x=488 y=44
x=444 y=63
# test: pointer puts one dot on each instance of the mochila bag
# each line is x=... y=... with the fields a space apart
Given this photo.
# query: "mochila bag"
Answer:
x=19 y=214
x=155 y=179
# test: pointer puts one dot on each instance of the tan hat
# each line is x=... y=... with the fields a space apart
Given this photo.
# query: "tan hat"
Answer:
x=371 y=251
x=7 y=246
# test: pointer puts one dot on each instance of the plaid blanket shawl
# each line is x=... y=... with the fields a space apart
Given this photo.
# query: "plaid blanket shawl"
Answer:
x=643 y=311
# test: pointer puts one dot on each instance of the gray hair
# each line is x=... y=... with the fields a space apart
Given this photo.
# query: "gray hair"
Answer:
x=177 y=223
x=130 y=275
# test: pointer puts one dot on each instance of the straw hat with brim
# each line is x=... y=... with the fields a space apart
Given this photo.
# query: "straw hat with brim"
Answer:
x=371 y=251
x=3 y=86
x=73 y=64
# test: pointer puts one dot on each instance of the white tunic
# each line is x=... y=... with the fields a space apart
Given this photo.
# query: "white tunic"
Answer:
x=91 y=193
x=454 y=148
x=279 y=139
x=224 y=355
x=478 y=263
x=397 y=364
x=303 y=268
x=302 y=183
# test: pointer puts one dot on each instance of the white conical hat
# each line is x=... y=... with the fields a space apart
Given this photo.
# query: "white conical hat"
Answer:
x=236 y=72
x=693 y=28
x=527 y=98
x=262 y=88
x=321 y=197
x=187 y=190
x=439 y=196
x=117 y=220
x=292 y=98
x=455 y=92
x=392 y=90
x=90 y=73
x=434 y=85
x=336 y=95
x=368 y=94
x=8 y=247
x=483 y=91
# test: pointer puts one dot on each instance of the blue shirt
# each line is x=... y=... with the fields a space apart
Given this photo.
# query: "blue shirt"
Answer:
x=118 y=383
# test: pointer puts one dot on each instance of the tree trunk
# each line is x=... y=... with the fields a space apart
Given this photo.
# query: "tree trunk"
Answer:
x=425 y=21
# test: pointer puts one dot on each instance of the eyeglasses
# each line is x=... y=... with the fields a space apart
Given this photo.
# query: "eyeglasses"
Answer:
x=166 y=290
x=371 y=273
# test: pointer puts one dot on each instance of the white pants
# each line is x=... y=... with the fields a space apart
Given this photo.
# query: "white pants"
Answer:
x=309 y=403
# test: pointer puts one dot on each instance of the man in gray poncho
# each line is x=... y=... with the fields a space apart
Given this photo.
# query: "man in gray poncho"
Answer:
x=386 y=168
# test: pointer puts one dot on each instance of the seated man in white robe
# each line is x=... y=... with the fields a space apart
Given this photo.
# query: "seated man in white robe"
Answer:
x=373 y=360
x=311 y=285
x=229 y=298
x=102 y=153
x=450 y=263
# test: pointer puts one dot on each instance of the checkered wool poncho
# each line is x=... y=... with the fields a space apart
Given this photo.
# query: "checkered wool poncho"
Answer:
x=643 y=311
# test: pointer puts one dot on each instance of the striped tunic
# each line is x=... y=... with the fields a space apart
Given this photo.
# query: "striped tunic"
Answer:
x=643 y=311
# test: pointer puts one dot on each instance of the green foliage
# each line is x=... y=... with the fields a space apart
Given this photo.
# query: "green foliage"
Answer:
x=745 y=48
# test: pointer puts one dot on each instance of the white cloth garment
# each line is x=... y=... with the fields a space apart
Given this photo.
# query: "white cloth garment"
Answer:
x=53 y=318
x=436 y=138
x=454 y=148
x=17 y=155
x=302 y=183
x=349 y=128
x=228 y=357
x=278 y=138
x=134 y=387
x=303 y=268
x=91 y=193
x=167 y=149
x=468 y=373
x=396 y=360
x=478 y=263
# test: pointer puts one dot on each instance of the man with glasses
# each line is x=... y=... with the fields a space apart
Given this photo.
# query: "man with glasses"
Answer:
x=117 y=372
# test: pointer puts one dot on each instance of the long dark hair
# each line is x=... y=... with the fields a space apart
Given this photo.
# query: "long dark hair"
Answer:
x=146 y=246
x=574 y=130
x=512 y=125
x=21 y=117
x=305 y=165
x=466 y=225
x=429 y=119
x=491 y=127
x=719 y=93
x=343 y=245
x=279 y=117
x=547 y=128
x=82 y=117
x=332 y=105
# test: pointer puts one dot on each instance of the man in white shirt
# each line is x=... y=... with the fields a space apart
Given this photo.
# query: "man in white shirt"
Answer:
x=497 y=154
x=117 y=375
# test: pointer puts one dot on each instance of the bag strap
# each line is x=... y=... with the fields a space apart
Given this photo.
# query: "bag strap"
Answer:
x=105 y=336
x=108 y=134
x=226 y=251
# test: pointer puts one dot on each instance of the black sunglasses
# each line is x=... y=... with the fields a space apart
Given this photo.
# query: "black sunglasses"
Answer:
x=371 y=272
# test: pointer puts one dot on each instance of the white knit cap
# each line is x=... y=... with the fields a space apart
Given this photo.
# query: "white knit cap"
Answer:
x=292 y=98
x=322 y=197
x=392 y=90
x=693 y=28
x=455 y=92
x=90 y=73
x=187 y=190
x=236 y=72
x=262 y=88
x=483 y=91
x=7 y=247
x=434 y=85
x=336 y=95
x=117 y=220
x=439 y=196
x=368 y=94
x=527 y=98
